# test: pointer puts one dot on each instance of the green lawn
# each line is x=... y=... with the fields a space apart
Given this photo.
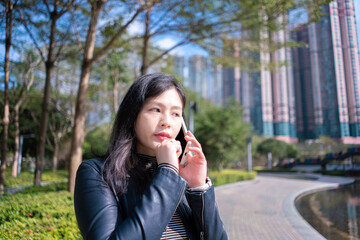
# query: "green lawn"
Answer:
x=25 y=178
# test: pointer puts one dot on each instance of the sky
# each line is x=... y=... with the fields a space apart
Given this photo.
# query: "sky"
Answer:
x=166 y=42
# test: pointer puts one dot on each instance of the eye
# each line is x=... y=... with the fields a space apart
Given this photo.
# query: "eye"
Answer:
x=177 y=114
x=154 y=110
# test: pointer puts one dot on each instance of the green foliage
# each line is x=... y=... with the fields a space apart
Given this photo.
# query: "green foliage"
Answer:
x=96 y=141
x=321 y=146
x=230 y=176
x=38 y=213
x=222 y=133
x=278 y=149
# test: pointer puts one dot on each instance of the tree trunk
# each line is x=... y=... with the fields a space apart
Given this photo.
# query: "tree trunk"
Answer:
x=116 y=95
x=144 y=65
x=80 y=111
x=5 y=121
x=49 y=65
x=88 y=61
x=55 y=159
x=17 y=137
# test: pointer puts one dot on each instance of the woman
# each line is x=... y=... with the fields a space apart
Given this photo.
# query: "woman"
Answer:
x=138 y=190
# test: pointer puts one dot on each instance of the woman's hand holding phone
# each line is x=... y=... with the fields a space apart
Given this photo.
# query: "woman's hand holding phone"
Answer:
x=195 y=169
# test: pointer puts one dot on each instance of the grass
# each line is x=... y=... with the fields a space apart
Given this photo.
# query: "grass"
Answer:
x=26 y=178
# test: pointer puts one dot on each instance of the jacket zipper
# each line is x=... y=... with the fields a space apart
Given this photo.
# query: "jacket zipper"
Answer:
x=182 y=193
x=202 y=218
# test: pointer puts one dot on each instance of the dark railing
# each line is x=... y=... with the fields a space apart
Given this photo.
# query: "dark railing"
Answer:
x=324 y=159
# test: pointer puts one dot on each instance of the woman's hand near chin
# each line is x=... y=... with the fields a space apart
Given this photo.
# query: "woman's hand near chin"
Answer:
x=168 y=151
x=195 y=170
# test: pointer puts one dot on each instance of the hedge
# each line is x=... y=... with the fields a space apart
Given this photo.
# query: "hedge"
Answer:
x=230 y=176
x=39 y=213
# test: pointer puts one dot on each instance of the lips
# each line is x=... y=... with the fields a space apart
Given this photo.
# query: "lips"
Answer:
x=162 y=136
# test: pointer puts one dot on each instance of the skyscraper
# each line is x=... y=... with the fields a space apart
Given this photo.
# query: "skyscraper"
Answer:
x=205 y=78
x=179 y=66
x=267 y=96
x=327 y=76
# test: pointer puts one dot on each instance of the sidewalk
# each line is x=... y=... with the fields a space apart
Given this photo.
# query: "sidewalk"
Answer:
x=264 y=208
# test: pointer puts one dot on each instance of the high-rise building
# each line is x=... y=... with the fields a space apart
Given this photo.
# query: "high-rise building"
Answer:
x=327 y=76
x=179 y=66
x=267 y=96
x=205 y=78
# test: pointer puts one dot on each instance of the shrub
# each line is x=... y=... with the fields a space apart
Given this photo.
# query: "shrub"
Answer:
x=229 y=176
x=39 y=213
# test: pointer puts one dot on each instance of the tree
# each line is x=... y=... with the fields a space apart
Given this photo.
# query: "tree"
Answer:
x=5 y=120
x=89 y=58
x=189 y=21
x=278 y=149
x=222 y=133
x=52 y=12
x=113 y=72
x=25 y=80
x=60 y=124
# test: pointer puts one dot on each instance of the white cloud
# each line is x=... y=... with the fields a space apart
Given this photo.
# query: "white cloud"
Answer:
x=189 y=49
x=136 y=28
x=165 y=43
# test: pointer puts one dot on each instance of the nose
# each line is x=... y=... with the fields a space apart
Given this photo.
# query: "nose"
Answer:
x=165 y=120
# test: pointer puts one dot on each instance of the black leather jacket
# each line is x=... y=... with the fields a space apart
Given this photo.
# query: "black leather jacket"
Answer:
x=101 y=214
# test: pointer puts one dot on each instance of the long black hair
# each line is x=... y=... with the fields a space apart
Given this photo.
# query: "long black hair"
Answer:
x=120 y=158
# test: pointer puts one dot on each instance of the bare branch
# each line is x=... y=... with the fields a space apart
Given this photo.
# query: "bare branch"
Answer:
x=47 y=6
x=167 y=51
x=105 y=48
x=24 y=22
x=167 y=11
x=76 y=31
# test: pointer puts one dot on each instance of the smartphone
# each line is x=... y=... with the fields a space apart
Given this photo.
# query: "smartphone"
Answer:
x=184 y=144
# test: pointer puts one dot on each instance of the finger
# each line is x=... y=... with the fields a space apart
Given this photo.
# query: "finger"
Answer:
x=198 y=152
x=178 y=148
x=193 y=140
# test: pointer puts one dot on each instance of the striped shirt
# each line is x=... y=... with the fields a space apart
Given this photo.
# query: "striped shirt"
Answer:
x=175 y=229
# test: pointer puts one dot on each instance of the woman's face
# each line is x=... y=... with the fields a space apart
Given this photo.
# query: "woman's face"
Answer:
x=158 y=120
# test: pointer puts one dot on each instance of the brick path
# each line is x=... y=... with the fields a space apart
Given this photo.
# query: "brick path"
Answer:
x=264 y=208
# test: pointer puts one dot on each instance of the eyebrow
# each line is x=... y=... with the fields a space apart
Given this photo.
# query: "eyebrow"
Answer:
x=163 y=105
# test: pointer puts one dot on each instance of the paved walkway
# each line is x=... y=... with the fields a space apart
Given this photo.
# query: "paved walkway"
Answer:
x=264 y=208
